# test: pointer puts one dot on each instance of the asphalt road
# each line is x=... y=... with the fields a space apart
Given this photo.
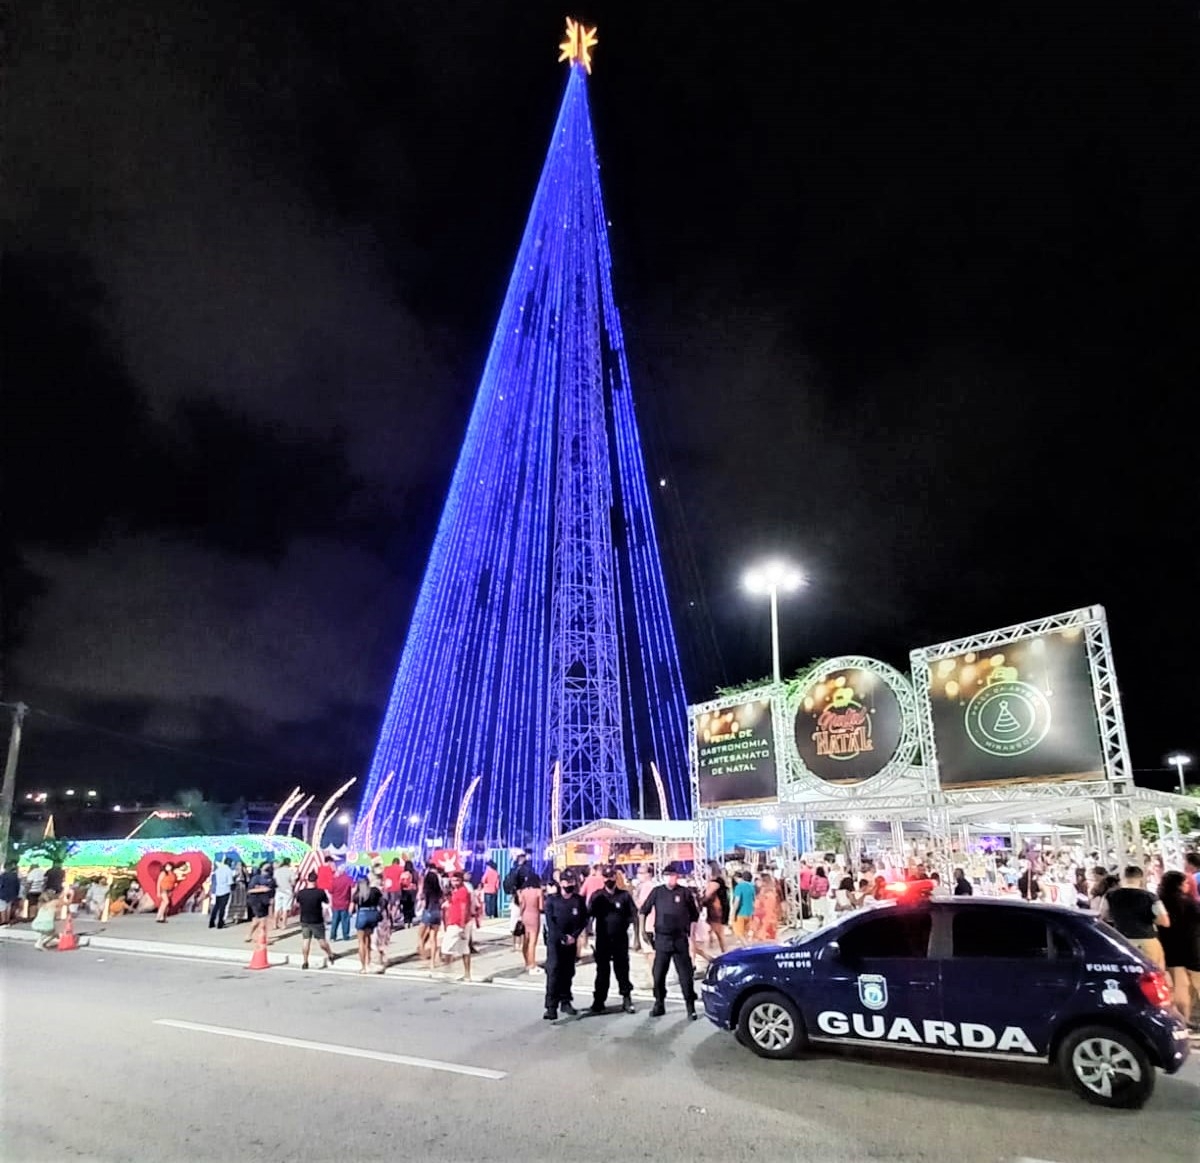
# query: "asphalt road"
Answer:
x=89 y=1071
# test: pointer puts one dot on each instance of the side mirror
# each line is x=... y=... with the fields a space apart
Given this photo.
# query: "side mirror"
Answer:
x=832 y=952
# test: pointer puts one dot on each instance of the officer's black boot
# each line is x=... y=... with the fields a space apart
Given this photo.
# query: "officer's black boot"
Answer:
x=597 y=1008
x=568 y=1009
x=691 y=1011
x=551 y=1014
x=627 y=1005
x=658 y=1010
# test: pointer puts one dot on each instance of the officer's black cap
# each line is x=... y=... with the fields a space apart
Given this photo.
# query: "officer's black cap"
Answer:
x=673 y=867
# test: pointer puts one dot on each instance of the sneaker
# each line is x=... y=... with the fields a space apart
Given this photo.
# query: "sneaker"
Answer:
x=550 y=1015
x=627 y=1006
x=568 y=1009
x=658 y=1010
x=692 y=1015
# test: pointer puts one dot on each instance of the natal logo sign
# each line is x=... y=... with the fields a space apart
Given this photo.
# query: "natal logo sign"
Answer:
x=1007 y=716
x=1022 y=709
x=850 y=720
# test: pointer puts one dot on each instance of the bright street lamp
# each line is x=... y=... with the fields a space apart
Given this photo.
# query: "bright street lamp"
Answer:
x=1179 y=762
x=772 y=578
x=344 y=818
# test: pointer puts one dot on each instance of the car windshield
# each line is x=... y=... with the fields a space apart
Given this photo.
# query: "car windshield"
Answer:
x=806 y=938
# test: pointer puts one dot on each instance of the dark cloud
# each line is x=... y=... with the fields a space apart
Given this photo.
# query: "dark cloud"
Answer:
x=911 y=296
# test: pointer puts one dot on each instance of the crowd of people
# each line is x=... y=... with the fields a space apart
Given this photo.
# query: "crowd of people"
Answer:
x=672 y=919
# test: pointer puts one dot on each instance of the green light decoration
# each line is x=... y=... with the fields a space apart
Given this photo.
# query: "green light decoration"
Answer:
x=250 y=849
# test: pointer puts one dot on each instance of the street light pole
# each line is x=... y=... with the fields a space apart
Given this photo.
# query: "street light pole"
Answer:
x=769 y=579
x=775 y=632
x=1179 y=762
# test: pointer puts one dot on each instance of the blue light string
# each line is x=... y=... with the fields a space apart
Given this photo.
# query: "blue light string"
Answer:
x=475 y=676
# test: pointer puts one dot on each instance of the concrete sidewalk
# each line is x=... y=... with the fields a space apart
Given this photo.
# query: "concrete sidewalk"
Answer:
x=187 y=935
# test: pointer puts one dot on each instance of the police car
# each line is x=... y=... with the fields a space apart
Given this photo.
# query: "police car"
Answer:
x=983 y=978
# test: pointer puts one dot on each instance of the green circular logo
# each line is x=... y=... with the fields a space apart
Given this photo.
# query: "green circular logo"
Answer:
x=1007 y=718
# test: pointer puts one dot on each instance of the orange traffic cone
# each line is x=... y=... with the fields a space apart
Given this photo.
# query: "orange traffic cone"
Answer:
x=67 y=939
x=258 y=959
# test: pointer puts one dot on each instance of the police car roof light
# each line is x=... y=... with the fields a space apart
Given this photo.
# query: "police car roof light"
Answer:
x=1154 y=987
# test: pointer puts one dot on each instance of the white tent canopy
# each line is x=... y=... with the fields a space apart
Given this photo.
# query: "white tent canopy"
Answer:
x=622 y=831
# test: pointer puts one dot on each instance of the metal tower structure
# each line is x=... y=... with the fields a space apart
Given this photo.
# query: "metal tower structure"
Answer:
x=540 y=663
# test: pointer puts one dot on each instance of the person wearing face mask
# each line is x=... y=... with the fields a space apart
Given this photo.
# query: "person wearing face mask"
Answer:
x=675 y=911
x=566 y=918
x=612 y=911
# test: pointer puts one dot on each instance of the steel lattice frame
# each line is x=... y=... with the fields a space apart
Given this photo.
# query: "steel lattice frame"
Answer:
x=584 y=698
x=1113 y=802
x=797 y=773
x=1115 y=750
x=779 y=735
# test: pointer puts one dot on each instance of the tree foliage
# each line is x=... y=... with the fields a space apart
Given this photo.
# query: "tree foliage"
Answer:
x=1189 y=822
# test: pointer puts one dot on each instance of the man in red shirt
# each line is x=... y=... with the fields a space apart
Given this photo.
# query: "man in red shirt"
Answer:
x=391 y=878
x=491 y=890
x=806 y=879
x=325 y=875
x=457 y=915
x=339 y=902
x=592 y=884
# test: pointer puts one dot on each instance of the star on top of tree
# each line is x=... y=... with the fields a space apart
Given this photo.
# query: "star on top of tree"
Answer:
x=578 y=45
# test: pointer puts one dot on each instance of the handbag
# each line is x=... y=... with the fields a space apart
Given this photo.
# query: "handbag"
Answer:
x=519 y=929
x=365 y=918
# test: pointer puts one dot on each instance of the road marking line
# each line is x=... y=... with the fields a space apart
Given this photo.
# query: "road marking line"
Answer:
x=178 y=958
x=330 y=1048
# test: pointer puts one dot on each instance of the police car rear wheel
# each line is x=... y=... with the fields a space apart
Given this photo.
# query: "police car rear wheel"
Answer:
x=770 y=1025
x=1106 y=1066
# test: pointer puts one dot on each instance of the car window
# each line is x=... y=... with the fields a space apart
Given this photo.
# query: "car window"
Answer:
x=1004 y=933
x=893 y=935
x=1062 y=945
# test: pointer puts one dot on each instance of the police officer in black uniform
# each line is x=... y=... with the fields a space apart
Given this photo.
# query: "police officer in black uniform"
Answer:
x=675 y=911
x=566 y=917
x=614 y=912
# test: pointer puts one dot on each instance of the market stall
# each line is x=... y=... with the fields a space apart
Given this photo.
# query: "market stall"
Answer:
x=625 y=842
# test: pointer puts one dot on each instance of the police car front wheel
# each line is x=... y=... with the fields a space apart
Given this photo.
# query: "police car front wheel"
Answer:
x=1106 y=1066
x=770 y=1025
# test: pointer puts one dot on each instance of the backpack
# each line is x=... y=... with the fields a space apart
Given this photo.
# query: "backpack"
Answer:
x=511 y=883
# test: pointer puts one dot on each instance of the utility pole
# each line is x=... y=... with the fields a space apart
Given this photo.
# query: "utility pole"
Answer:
x=9 y=786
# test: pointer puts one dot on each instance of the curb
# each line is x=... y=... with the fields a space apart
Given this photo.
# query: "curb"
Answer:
x=344 y=966
x=158 y=948
x=27 y=935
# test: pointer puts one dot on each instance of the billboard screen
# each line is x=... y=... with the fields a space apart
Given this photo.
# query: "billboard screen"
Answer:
x=1023 y=710
x=735 y=750
x=849 y=724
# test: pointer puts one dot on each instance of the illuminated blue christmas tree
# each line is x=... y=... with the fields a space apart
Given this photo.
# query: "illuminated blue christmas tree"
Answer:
x=540 y=666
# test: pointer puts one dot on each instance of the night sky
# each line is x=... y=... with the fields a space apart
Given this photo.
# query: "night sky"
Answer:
x=910 y=295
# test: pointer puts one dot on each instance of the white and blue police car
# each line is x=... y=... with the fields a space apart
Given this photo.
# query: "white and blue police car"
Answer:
x=983 y=978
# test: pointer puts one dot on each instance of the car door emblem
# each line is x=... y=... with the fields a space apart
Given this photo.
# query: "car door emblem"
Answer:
x=1113 y=994
x=872 y=991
